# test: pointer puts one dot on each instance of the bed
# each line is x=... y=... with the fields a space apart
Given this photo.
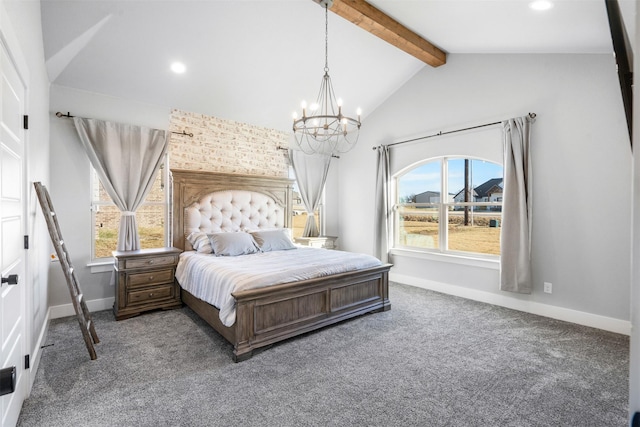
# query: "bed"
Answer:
x=210 y=202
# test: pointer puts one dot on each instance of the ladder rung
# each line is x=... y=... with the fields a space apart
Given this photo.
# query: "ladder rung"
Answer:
x=61 y=242
x=53 y=214
x=79 y=299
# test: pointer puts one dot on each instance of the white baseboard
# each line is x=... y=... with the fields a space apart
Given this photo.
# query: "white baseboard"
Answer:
x=65 y=310
x=565 y=314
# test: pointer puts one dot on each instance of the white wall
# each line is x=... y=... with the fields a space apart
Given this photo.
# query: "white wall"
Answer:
x=70 y=191
x=21 y=27
x=581 y=175
x=634 y=356
x=331 y=218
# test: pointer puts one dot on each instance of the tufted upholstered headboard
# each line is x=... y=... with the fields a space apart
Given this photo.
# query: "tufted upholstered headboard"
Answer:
x=210 y=202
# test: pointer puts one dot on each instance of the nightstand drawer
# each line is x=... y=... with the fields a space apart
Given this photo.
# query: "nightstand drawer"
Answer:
x=150 y=278
x=145 y=296
x=151 y=262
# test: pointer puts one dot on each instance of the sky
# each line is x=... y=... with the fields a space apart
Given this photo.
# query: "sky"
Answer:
x=427 y=177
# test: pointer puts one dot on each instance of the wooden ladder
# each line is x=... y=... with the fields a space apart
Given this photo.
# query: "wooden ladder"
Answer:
x=82 y=312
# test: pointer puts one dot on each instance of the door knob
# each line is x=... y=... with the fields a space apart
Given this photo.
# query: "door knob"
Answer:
x=11 y=280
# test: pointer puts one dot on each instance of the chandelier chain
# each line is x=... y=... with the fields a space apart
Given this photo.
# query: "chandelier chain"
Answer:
x=326 y=38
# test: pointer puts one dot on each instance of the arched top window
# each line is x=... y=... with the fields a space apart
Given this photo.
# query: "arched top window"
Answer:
x=449 y=205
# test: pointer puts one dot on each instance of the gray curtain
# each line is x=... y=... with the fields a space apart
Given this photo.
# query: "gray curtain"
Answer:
x=311 y=173
x=515 y=239
x=382 y=214
x=126 y=158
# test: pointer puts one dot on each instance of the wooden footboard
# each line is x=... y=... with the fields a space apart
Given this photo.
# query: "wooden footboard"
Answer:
x=267 y=315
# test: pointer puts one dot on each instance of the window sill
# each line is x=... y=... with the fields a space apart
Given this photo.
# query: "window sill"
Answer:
x=101 y=266
x=493 y=264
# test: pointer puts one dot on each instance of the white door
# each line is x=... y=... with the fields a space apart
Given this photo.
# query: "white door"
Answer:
x=12 y=226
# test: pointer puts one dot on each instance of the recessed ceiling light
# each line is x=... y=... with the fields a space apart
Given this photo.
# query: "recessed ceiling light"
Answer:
x=178 y=67
x=541 y=5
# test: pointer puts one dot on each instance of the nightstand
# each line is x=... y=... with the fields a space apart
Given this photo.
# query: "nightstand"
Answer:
x=327 y=242
x=145 y=280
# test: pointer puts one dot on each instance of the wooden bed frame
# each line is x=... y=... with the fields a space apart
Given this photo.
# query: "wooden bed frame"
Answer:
x=267 y=315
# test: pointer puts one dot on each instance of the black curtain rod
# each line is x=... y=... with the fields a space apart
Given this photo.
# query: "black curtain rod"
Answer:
x=183 y=133
x=532 y=115
x=69 y=116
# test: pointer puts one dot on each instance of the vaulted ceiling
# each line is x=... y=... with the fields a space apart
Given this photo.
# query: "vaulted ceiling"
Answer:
x=255 y=60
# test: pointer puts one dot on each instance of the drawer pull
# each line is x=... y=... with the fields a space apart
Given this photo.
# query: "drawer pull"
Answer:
x=151 y=261
x=151 y=294
x=150 y=277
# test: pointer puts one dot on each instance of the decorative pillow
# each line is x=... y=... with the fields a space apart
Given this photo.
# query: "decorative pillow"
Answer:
x=232 y=244
x=200 y=242
x=273 y=240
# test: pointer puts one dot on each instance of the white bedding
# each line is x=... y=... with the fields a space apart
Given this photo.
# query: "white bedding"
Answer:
x=213 y=279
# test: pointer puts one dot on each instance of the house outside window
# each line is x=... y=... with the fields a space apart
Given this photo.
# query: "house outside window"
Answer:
x=466 y=220
x=151 y=217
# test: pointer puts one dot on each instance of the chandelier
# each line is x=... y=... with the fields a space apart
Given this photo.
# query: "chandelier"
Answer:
x=323 y=128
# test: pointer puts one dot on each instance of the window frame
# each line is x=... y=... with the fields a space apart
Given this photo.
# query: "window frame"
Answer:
x=95 y=207
x=443 y=209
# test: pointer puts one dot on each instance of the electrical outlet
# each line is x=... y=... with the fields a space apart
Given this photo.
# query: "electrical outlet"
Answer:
x=548 y=287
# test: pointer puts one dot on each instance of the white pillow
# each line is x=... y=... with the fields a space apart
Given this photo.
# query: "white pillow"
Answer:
x=200 y=242
x=232 y=244
x=273 y=240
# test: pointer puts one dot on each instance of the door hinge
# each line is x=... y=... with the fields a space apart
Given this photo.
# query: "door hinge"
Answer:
x=26 y=361
x=25 y=121
x=26 y=242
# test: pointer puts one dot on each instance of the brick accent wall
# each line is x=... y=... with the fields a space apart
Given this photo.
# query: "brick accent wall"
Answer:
x=220 y=145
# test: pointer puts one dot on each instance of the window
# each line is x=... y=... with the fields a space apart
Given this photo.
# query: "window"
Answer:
x=151 y=217
x=465 y=220
x=299 y=213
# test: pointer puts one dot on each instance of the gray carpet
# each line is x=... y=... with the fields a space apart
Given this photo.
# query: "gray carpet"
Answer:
x=433 y=360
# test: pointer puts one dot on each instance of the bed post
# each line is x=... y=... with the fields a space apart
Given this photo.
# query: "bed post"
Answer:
x=244 y=331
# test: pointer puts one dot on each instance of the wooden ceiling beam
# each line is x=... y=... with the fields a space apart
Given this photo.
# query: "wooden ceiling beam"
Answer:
x=388 y=29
